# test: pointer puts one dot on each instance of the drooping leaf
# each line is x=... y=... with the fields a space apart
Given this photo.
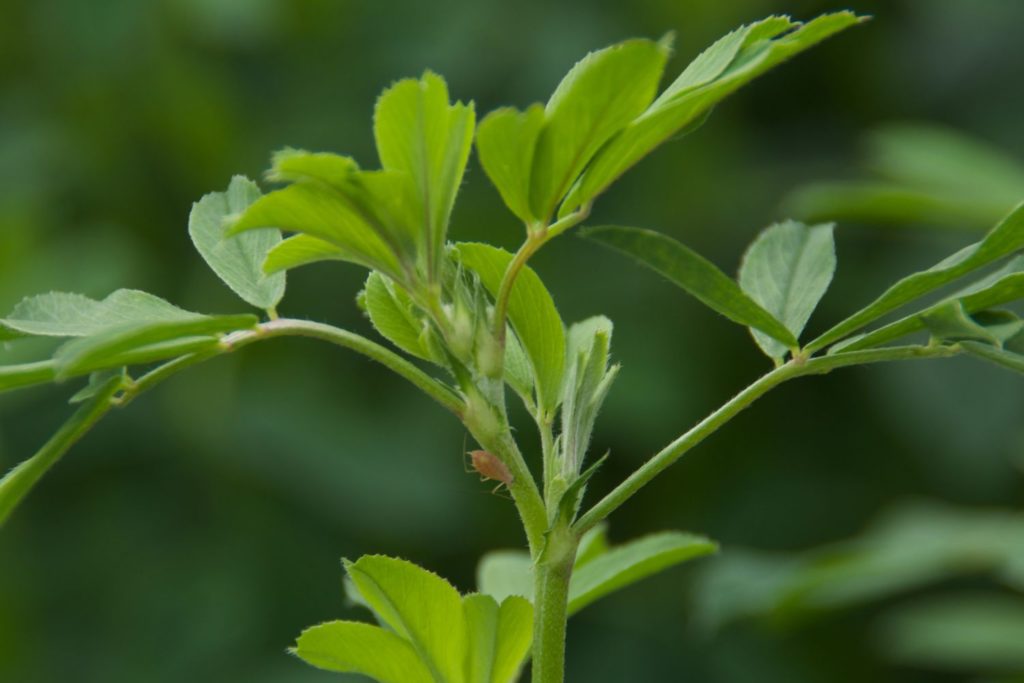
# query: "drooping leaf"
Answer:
x=505 y=142
x=597 y=98
x=631 y=562
x=136 y=344
x=17 y=483
x=532 y=313
x=301 y=250
x=63 y=314
x=972 y=632
x=787 y=270
x=722 y=69
x=26 y=374
x=692 y=272
x=353 y=647
x=393 y=316
x=333 y=215
x=499 y=637
x=238 y=260
x=420 y=133
x=420 y=606
x=1004 y=239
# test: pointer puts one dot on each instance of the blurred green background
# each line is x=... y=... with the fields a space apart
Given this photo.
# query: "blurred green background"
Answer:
x=193 y=536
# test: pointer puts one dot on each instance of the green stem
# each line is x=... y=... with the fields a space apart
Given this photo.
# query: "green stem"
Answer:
x=794 y=368
x=523 y=488
x=551 y=614
x=284 y=327
x=534 y=241
x=20 y=480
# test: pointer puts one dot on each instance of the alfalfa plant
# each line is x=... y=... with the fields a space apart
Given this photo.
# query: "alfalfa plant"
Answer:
x=468 y=322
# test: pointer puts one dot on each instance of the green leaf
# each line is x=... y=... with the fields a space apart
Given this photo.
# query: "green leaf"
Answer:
x=518 y=372
x=420 y=606
x=631 y=562
x=787 y=270
x=692 y=272
x=26 y=374
x=499 y=637
x=301 y=250
x=137 y=344
x=730 y=63
x=970 y=632
x=238 y=260
x=420 y=133
x=505 y=142
x=62 y=314
x=532 y=313
x=1006 y=238
x=597 y=98
x=504 y=573
x=352 y=647
x=331 y=214
x=392 y=314
x=17 y=483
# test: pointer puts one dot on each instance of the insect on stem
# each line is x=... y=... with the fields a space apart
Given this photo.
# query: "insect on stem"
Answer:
x=489 y=467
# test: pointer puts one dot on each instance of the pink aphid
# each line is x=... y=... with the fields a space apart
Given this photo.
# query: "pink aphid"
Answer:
x=489 y=467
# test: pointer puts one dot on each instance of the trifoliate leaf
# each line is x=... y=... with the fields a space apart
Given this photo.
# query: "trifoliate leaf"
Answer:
x=597 y=98
x=730 y=63
x=393 y=315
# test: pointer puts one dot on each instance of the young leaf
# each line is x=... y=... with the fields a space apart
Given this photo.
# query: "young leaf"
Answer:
x=238 y=260
x=392 y=315
x=62 y=314
x=298 y=166
x=505 y=142
x=16 y=484
x=532 y=313
x=597 y=98
x=416 y=603
x=352 y=647
x=631 y=562
x=499 y=637
x=593 y=544
x=1004 y=239
x=787 y=270
x=420 y=133
x=301 y=250
x=693 y=273
x=732 y=62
